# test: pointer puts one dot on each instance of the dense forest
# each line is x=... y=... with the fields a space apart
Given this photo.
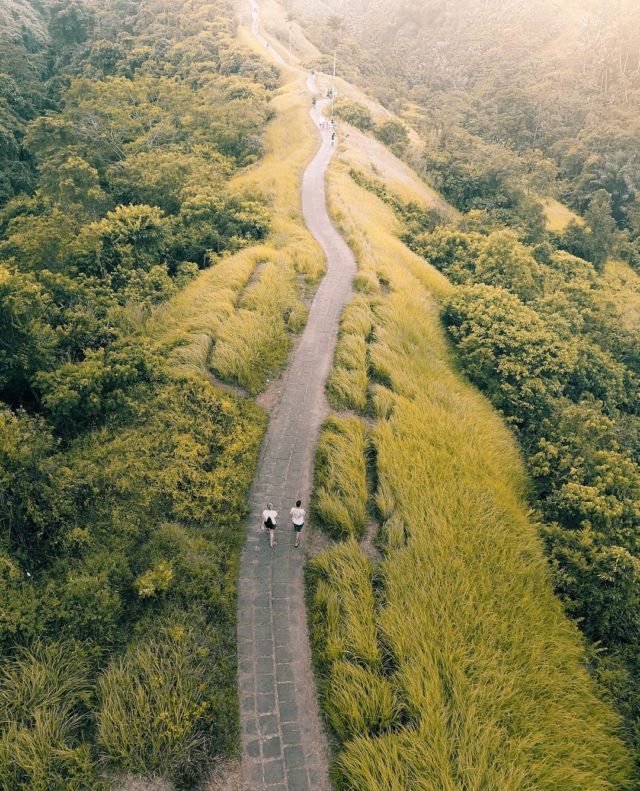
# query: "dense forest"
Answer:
x=550 y=113
x=122 y=478
x=552 y=110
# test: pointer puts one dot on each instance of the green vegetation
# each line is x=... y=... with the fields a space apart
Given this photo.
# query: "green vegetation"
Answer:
x=123 y=470
x=340 y=492
x=449 y=663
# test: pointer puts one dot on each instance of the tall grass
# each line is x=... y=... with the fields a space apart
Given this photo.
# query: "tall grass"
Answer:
x=343 y=616
x=154 y=705
x=44 y=693
x=254 y=341
x=340 y=495
x=489 y=679
x=348 y=383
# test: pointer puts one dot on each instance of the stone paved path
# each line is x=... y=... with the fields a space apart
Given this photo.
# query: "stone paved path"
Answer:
x=283 y=743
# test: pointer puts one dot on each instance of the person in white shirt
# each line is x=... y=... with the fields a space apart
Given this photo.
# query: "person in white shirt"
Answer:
x=297 y=515
x=270 y=522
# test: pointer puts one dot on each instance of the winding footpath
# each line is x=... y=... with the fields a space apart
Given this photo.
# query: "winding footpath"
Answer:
x=283 y=743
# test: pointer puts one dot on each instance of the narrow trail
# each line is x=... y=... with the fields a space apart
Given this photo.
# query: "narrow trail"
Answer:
x=283 y=743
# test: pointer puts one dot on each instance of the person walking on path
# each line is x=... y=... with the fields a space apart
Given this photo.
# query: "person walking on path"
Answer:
x=297 y=515
x=270 y=522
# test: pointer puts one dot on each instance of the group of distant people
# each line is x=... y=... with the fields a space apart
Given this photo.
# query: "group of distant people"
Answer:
x=269 y=521
x=326 y=123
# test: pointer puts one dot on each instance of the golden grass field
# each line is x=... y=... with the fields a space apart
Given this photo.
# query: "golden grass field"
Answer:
x=450 y=664
x=558 y=216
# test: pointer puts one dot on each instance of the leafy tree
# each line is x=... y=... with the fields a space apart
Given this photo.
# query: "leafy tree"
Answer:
x=74 y=186
x=599 y=583
x=503 y=261
x=71 y=21
x=78 y=395
x=34 y=503
x=211 y=223
x=28 y=342
x=165 y=177
x=40 y=240
x=129 y=238
x=603 y=229
x=508 y=351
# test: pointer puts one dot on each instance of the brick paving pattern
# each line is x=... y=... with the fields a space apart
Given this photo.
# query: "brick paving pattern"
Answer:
x=283 y=743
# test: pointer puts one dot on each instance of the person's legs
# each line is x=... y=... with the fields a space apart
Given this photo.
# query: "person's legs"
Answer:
x=298 y=529
x=272 y=537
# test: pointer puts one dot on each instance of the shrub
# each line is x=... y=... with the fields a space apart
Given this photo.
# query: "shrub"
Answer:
x=392 y=133
x=156 y=710
x=44 y=695
x=354 y=113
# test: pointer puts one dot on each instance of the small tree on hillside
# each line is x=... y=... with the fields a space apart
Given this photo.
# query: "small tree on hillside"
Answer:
x=392 y=133
x=603 y=228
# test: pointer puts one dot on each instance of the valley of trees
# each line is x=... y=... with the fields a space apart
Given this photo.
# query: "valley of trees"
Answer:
x=552 y=112
x=122 y=482
x=512 y=100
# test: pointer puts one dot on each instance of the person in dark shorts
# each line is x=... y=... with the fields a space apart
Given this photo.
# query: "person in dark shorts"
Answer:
x=270 y=522
x=297 y=515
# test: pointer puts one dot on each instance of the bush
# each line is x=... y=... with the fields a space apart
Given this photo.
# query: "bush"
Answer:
x=44 y=696
x=354 y=113
x=157 y=709
x=392 y=133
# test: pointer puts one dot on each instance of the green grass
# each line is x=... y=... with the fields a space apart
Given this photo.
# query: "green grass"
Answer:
x=155 y=706
x=254 y=341
x=489 y=680
x=343 y=614
x=44 y=694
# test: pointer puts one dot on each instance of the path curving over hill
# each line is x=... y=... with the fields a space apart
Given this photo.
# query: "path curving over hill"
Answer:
x=283 y=743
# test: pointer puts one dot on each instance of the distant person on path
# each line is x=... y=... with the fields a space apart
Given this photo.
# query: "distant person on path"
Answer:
x=270 y=522
x=297 y=515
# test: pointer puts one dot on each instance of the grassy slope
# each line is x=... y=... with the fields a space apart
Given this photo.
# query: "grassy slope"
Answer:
x=462 y=670
x=217 y=322
x=558 y=215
